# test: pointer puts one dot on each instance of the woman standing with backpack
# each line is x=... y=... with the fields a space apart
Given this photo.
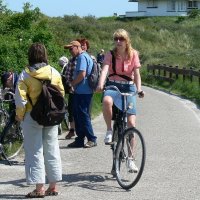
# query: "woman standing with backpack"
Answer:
x=42 y=154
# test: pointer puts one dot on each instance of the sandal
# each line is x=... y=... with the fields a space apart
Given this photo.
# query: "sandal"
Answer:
x=36 y=194
x=51 y=192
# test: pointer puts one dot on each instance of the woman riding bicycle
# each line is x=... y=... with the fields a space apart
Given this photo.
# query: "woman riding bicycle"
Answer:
x=125 y=75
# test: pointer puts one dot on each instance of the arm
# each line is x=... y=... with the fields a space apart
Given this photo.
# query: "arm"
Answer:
x=20 y=100
x=102 y=78
x=137 y=80
x=79 y=78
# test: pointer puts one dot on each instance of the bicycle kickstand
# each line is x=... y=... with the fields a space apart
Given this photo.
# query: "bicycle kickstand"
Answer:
x=3 y=154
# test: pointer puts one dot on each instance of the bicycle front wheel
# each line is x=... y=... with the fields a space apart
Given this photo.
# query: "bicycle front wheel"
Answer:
x=130 y=158
x=12 y=139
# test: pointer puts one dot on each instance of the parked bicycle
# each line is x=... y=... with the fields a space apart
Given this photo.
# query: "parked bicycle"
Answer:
x=3 y=111
x=128 y=145
x=11 y=136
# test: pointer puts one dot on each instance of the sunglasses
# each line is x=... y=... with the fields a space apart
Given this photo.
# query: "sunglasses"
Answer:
x=121 y=39
x=71 y=48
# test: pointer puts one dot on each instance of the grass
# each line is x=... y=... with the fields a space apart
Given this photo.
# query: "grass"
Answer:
x=96 y=104
x=186 y=89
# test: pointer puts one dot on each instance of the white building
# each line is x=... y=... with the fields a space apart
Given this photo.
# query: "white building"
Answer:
x=147 y=8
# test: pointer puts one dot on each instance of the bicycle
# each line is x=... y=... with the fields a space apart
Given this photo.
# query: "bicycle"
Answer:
x=11 y=137
x=127 y=145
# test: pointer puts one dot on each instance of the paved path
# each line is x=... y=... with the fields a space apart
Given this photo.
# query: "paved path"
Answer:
x=171 y=127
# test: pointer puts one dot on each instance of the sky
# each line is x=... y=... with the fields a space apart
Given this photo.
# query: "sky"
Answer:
x=55 y=8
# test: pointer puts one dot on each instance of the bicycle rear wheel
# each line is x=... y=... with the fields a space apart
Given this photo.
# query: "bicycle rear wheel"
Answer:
x=12 y=139
x=130 y=150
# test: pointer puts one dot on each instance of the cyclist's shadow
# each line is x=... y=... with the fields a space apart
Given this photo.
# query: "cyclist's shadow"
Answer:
x=90 y=181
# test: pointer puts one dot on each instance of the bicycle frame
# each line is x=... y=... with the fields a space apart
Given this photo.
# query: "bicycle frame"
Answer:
x=124 y=105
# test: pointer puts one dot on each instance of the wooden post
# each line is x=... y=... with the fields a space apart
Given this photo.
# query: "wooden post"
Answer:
x=184 y=74
x=154 y=72
x=159 y=71
x=191 y=77
x=177 y=72
x=164 y=72
x=199 y=78
x=170 y=73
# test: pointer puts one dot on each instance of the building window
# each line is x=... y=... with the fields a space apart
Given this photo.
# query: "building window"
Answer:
x=181 y=6
x=192 y=4
x=171 y=5
x=152 y=4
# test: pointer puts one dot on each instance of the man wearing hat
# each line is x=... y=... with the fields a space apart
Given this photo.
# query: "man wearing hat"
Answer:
x=82 y=97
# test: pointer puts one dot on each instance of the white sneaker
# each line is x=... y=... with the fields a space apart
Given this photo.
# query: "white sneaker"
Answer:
x=108 y=137
x=132 y=168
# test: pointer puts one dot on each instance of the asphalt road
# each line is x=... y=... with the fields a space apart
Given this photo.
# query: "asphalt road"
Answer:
x=171 y=128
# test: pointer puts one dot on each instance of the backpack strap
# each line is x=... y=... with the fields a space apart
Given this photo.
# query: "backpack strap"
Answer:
x=113 y=62
x=87 y=66
x=114 y=69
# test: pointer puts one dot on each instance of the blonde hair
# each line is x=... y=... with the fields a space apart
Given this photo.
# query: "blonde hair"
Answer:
x=123 y=33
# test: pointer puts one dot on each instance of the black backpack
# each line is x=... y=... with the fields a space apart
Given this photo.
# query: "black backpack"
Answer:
x=49 y=110
x=93 y=77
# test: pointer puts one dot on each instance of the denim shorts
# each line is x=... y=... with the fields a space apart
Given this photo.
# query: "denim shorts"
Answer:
x=118 y=99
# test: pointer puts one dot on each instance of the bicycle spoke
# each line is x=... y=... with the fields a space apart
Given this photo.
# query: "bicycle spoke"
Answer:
x=12 y=140
x=130 y=159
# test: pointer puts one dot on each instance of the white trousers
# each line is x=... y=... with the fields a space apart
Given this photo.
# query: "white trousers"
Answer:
x=42 y=153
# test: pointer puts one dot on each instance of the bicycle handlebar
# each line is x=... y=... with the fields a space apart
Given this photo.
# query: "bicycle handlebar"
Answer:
x=5 y=92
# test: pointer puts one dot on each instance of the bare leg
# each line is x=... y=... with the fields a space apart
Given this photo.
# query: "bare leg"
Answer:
x=72 y=125
x=40 y=187
x=131 y=120
x=107 y=111
x=131 y=123
x=52 y=185
x=72 y=130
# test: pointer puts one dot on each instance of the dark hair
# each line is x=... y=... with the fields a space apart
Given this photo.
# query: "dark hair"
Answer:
x=37 y=53
x=84 y=41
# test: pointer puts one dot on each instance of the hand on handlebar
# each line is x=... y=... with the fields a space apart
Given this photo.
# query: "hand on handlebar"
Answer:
x=141 y=94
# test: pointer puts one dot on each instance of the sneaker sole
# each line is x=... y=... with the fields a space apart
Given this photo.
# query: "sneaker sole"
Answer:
x=90 y=146
x=132 y=171
x=108 y=143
